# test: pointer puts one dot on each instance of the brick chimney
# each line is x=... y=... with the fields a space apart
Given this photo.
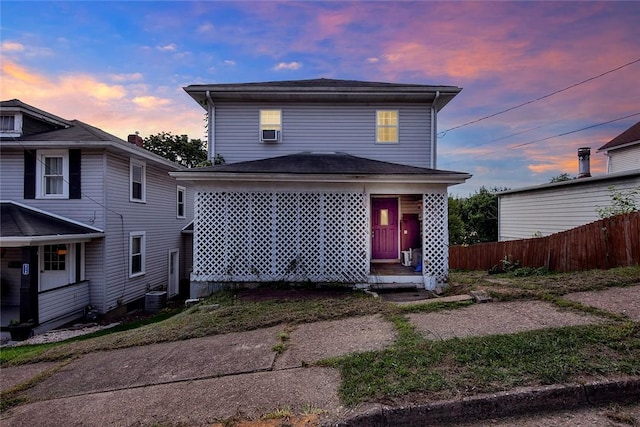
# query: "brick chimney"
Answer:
x=584 y=163
x=135 y=139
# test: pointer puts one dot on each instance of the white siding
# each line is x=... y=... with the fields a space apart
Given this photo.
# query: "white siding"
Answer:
x=323 y=128
x=624 y=159
x=62 y=302
x=551 y=210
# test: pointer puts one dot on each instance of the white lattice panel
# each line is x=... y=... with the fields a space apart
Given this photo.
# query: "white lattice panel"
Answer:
x=435 y=236
x=262 y=236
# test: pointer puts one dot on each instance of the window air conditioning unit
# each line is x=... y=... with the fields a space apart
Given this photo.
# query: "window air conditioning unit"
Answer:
x=269 y=135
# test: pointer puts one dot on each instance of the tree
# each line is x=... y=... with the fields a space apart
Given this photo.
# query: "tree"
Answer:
x=474 y=219
x=177 y=148
x=561 y=178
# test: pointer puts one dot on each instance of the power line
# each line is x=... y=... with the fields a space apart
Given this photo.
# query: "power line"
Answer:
x=554 y=136
x=444 y=132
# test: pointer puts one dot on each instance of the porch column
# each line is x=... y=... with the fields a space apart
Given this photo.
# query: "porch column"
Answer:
x=29 y=284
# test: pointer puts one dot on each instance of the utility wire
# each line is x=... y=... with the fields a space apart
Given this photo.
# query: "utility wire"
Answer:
x=553 y=136
x=444 y=132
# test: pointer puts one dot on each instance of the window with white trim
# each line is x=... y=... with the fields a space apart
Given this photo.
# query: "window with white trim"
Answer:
x=52 y=172
x=387 y=126
x=270 y=120
x=138 y=181
x=180 y=201
x=137 y=253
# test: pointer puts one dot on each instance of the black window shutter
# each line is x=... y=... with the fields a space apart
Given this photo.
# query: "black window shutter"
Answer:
x=29 y=174
x=75 y=190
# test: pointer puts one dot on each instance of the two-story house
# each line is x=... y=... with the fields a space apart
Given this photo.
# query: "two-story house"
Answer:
x=324 y=181
x=87 y=218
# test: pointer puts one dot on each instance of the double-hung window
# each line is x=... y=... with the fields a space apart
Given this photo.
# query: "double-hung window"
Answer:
x=138 y=181
x=136 y=253
x=180 y=202
x=387 y=126
x=52 y=169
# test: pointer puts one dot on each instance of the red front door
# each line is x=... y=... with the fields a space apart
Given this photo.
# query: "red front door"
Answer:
x=384 y=228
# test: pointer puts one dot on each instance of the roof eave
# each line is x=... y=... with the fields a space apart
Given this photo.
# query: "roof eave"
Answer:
x=15 y=242
x=193 y=176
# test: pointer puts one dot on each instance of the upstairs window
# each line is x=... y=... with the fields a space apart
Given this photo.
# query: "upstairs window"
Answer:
x=138 y=181
x=180 y=202
x=387 y=126
x=52 y=168
x=7 y=123
x=270 y=125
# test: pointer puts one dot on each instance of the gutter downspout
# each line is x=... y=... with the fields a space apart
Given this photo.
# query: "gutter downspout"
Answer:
x=434 y=131
x=211 y=139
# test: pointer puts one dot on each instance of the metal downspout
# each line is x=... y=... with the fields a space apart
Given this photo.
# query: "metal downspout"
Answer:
x=434 y=130
x=211 y=139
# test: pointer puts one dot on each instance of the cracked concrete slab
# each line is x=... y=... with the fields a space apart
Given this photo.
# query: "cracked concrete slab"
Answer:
x=616 y=300
x=315 y=341
x=192 y=403
x=496 y=318
x=12 y=376
x=161 y=363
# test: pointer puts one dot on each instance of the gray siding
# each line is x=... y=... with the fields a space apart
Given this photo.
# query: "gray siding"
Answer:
x=544 y=212
x=88 y=210
x=324 y=128
x=156 y=217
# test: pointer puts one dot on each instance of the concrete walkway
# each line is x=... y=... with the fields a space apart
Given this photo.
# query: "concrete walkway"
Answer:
x=201 y=381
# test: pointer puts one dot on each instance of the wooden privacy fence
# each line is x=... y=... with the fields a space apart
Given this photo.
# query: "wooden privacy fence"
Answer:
x=607 y=243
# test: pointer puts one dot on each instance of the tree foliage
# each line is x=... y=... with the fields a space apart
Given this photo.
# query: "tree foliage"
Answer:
x=177 y=148
x=561 y=178
x=474 y=219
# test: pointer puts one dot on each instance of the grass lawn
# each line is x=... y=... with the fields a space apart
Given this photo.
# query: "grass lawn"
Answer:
x=412 y=366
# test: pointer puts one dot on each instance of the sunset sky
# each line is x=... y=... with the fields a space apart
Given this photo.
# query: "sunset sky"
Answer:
x=121 y=66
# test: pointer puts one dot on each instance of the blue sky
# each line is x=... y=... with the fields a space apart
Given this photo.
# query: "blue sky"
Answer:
x=121 y=66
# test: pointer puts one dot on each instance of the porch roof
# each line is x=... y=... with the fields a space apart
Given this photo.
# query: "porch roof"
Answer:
x=311 y=166
x=22 y=225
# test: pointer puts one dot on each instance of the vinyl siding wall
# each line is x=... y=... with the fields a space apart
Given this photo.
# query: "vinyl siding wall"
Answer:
x=323 y=128
x=87 y=210
x=624 y=159
x=156 y=218
x=544 y=212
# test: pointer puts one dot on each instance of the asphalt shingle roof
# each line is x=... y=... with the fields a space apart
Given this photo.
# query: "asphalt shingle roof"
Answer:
x=18 y=221
x=322 y=163
x=630 y=135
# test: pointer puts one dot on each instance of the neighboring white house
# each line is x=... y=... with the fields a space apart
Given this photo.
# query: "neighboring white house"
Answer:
x=322 y=178
x=623 y=151
x=87 y=218
x=550 y=208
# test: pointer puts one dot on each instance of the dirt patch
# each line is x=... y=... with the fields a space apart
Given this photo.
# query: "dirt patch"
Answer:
x=270 y=294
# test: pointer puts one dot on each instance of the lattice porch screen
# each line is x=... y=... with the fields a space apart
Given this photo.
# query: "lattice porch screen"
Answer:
x=265 y=236
x=435 y=236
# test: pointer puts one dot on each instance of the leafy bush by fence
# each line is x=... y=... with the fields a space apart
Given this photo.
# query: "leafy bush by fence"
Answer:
x=607 y=243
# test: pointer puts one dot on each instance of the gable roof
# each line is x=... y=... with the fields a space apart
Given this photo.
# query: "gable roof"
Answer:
x=630 y=136
x=310 y=166
x=315 y=90
x=77 y=134
x=15 y=105
x=21 y=225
